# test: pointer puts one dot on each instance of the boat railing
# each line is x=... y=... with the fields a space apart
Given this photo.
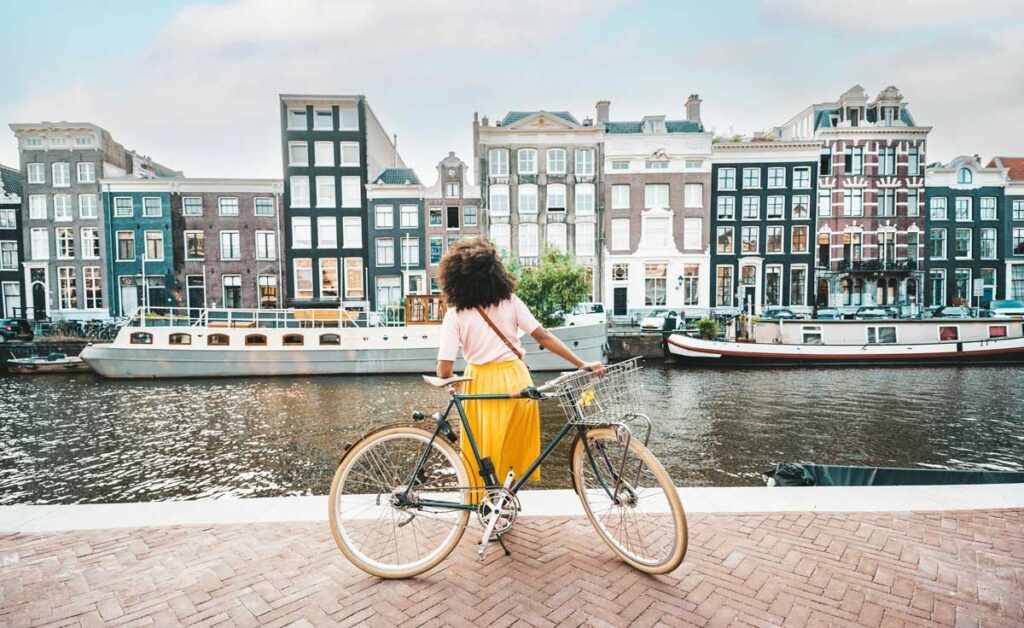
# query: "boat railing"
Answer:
x=272 y=319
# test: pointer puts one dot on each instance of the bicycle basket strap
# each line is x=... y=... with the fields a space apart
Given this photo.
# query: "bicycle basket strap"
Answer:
x=490 y=323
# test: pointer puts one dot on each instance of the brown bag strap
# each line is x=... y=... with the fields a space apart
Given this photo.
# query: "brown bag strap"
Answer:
x=508 y=343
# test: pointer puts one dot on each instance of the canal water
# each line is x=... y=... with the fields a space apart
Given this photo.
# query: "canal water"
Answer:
x=76 y=439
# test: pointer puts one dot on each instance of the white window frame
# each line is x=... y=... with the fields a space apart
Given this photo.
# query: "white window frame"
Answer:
x=526 y=161
x=302 y=224
x=326 y=232
x=323 y=154
x=185 y=240
x=584 y=162
x=145 y=245
x=352 y=232
x=497 y=162
x=554 y=157
x=93 y=207
x=351 y=192
x=298 y=154
x=348 y=153
x=85 y=172
x=693 y=195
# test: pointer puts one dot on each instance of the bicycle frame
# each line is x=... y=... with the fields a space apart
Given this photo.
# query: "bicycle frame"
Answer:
x=443 y=426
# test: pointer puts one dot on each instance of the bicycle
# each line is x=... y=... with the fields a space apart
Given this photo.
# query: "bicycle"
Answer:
x=402 y=496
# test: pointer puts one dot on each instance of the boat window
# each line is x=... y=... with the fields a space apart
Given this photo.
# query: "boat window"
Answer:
x=180 y=339
x=882 y=335
x=997 y=331
x=255 y=340
x=219 y=340
x=330 y=339
x=948 y=333
x=294 y=339
x=142 y=338
x=812 y=335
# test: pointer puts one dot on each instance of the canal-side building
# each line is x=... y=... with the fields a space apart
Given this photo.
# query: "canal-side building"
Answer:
x=66 y=237
x=453 y=212
x=227 y=236
x=1012 y=224
x=332 y=146
x=965 y=204
x=140 y=264
x=12 y=303
x=762 y=218
x=396 y=257
x=870 y=223
x=657 y=186
x=540 y=176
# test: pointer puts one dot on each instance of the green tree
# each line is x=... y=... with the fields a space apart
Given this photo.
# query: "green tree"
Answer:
x=553 y=288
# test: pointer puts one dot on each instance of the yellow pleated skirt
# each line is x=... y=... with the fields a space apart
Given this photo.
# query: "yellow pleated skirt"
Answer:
x=506 y=430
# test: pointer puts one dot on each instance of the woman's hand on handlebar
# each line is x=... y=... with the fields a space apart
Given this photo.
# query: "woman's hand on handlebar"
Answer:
x=594 y=367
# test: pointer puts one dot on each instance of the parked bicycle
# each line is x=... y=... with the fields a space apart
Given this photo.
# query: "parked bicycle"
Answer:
x=402 y=496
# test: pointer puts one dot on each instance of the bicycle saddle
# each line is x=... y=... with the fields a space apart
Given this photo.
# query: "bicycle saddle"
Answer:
x=441 y=382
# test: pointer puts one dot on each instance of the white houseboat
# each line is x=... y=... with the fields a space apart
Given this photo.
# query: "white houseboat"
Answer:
x=918 y=341
x=177 y=342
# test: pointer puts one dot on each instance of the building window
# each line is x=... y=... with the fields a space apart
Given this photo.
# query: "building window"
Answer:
x=497 y=162
x=723 y=286
x=125 y=246
x=299 y=188
x=965 y=176
x=452 y=222
x=749 y=242
x=585 y=239
x=913 y=244
x=351 y=192
x=962 y=285
x=323 y=120
x=854 y=158
x=155 y=246
x=620 y=272
x=195 y=245
x=436 y=250
x=726 y=207
x=303 y=278
x=1017 y=241
x=410 y=251
x=409 y=216
x=40 y=239
x=776 y=177
x=1018 y=210
x=8 y=255
x=584 y=162
x=751 y=208
x=327 y=233
x=323 y=155
x=86 y=172
x=501 y=236
x=963 y=244
x=693 y=231
x=751 y=178
x=329 y=286
x=773 y=285
x=266 y=246
x=348 y=120
x=527 y=198
x=151 y=207
x=913 y=202
x=36 y=173
x=620 y=234
x=887 y=202
x=853 y=202
x=65 y=243
x=691 y=284
x=798 y=243
x=8 y=219
x=776 y=207
x=801 y=207
x=90 y=243
x=726 y=178
x=232 y=288
x=62 y=207
x=67 y=284
x=451 y=190
x=724 y=240
x=557 y=238
x=349 y=154
x=963 y=209
x=352 y=232
x=584 y=199
x=298 y=153
x=655 y=284
x=937 y=208
x=529 y=245
x=988 y=243
x=384 y=217
x=92 y=281
x=385 y=252
x=498 y=200
x=825 y=203
x=987 y=208
x=798 y=285
x=656 y=232
x=263 y=206
x=192 y=206
x=297 y=119
x=693 y=195
x=527 y=161
x=656 y=165
x=87 y=206
x=37 y=207
x=230 y=245
x=302 y=232
x=774 y=235
x=656 y=195
x=937 y=244
x=470 y=215
x=556 y=197
x=325 y=193
x=556 y=161
x=620 y=196
x=1017 y=281
x=61 y=174
x=887 y=161
x=801 y=178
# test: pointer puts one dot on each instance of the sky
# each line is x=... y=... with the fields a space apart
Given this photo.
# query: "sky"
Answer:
x=195 y=84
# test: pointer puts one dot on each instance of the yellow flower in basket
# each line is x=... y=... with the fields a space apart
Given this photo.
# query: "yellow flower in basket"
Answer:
x=587 y=397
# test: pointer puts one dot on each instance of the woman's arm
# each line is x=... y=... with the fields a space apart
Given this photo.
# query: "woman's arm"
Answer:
x=553 y=344
x=445 y=368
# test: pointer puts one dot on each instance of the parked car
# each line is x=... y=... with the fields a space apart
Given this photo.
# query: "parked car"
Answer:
x=953 y=311
x=1007 y=307
x=15 y=329
x=873 y=312
x=587 y=314
x=829 y=314
x=778 y=313
x=660 y=320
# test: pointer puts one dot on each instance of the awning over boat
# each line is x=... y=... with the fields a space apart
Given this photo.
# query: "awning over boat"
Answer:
x=798 y=474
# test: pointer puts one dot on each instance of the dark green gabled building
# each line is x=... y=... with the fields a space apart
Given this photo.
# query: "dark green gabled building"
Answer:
x=396 y=243
x=12 y=293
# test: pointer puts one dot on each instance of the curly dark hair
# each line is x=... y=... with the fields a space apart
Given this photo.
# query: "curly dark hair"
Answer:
x=472 y=275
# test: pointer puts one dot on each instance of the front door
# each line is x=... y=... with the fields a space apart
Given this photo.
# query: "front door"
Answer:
x=619 y=301
x=823 y=288
x=129 y=300
x=195 y=295
x=748 y=297
x=39 y=301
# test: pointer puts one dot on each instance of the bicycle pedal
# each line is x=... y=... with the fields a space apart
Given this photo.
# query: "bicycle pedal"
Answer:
x=481 y=551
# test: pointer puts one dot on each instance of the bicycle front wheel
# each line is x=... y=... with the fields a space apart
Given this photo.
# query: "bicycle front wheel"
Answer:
x=630 y=499
x=382 y=534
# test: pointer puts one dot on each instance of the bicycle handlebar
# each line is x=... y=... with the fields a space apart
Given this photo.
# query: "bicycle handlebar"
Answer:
x=538 y=392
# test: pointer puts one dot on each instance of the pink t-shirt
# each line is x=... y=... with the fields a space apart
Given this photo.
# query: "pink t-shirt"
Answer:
x=480 y=345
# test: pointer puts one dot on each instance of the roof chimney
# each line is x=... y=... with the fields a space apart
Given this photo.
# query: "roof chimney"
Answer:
x=693 y=108
x=603 y=107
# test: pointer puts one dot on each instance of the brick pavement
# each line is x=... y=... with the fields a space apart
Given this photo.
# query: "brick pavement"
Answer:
x=793 y=569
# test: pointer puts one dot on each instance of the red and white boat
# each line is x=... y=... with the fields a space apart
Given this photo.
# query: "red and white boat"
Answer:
x=925 y=341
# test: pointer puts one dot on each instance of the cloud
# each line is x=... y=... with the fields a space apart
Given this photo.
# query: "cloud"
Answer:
x=890 y=16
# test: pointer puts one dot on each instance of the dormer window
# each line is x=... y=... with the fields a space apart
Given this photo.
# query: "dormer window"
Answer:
x=853 y=116
x=965 y=176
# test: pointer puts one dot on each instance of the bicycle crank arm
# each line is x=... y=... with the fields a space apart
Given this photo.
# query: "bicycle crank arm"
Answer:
x=481 y=549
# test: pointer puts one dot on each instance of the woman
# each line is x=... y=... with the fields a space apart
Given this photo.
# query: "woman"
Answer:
x=484 y=318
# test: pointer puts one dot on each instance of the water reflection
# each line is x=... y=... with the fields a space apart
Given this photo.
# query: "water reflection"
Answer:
x=83 y=439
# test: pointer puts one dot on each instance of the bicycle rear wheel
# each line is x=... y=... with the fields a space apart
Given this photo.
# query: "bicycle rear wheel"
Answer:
x=385 y=539
x=630 y=499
